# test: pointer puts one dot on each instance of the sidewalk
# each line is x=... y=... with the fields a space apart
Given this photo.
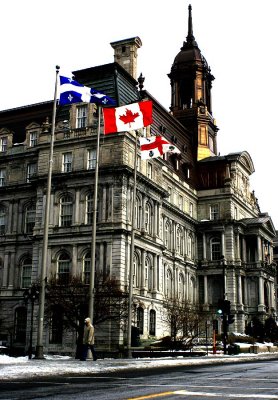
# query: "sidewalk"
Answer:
x=23 y=368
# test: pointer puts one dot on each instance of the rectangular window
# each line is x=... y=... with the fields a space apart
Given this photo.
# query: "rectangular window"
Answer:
x=149 y=171
x=170 y=194
x=180 y=204
x=81 y=117
x=92 y=154
x=67 y=162
x=214 y=212
x=2 y=177
x=3 y=144
x=31 y=171
x=26 y=276
x=33 y=139
x=191 y=209
x=138 y=163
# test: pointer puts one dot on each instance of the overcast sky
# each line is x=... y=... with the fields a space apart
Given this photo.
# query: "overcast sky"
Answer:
x=237 y=38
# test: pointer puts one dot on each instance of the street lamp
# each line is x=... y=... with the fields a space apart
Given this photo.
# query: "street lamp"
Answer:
x=31 y=294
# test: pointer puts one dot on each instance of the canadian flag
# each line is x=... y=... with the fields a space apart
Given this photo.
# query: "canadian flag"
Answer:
x=155 y=146
x=127 y=118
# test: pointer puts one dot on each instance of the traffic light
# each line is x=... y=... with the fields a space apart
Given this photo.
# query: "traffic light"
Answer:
x=231 y=319
x=224 y=307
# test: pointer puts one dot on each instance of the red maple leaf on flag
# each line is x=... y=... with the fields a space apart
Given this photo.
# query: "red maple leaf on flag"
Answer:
x=128 y=117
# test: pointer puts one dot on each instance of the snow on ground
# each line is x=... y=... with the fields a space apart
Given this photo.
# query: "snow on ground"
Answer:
x=22 y=368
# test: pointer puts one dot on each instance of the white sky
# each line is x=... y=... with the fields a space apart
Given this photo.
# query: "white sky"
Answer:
x=238 y=39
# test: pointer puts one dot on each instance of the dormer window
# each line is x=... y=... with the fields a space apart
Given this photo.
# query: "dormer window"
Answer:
x=33 y=139
x=3 y=144
x=214 y=212
x=81 y=117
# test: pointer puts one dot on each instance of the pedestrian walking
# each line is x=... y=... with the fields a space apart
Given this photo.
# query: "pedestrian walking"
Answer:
x=88 y=340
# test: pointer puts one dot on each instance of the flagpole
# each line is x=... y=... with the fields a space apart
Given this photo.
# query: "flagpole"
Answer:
x=131 y=257
x=39 y=347
x=94 y=228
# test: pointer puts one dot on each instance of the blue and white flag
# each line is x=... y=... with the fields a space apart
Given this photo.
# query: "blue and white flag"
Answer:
x=73 y=92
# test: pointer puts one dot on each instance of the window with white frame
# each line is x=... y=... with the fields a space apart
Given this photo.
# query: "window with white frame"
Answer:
x=91 y=161
x=214 y=212
x=63 y=268
x=2 y=177
x=138 y=213
x=148 y=274
x=135 y=271
x=81 y=116
x=31 y=171
x=3 y=217
x=167 y=233
x=89 y=208
x=3 y=144
x=66 y=210
x=67 y=162
x=87 y=267
x=26 y=273
x=33 y=138
x=215 y=249
x=191 y=209
x=148 y=218
x=180 y=202
x=29 y=218
x=149 y=170
x=181 y=287
x=168 y=284
x=189 y=246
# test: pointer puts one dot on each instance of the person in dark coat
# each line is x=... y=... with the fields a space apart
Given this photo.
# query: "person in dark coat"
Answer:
x=88 y=340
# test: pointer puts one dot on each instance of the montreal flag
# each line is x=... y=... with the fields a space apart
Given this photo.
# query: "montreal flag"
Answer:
x=126 y=118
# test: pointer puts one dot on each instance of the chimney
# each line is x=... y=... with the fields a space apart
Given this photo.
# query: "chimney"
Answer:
x=125 y=54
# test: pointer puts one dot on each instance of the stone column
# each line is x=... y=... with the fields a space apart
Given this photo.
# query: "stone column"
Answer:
x=74 y=259
x=223 y=244
x=6 y=270
x=204 y=246
x=155 y=266
x=77 y=208
x=261 y=294
x=205 y=290
x=259 y=248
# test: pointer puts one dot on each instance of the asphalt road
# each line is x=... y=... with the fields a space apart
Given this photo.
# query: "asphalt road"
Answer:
x=255 y=380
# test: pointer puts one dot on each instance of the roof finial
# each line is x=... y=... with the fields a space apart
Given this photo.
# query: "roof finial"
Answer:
x=190 y=37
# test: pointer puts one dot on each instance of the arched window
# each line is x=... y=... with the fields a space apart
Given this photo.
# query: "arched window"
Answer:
x=215 y=246
x=56 y=325
x=89 y=208
x=140 y=320
x=179 y=244
x=137 y=213
x=189 y=246
x=64 y=268
x=148 y=274
x=3 y=217
x=26 y=272
x=29 y=218
x=181 y=287
x=152 y=322
x=86 y=268
x=148 y=218
x=66 y=210
x=169 y=282
x=135 y=270
x=20 y=323
x=167 y=235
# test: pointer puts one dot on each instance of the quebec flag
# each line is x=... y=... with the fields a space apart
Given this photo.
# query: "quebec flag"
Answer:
x=73 y=92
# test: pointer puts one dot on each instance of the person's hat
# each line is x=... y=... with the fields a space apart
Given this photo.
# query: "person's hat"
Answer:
x=87 y=319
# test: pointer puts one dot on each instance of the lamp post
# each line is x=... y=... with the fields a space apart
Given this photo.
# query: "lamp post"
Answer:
x=31 y=294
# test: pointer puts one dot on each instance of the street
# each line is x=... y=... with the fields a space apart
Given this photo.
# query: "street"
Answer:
x=256 y=380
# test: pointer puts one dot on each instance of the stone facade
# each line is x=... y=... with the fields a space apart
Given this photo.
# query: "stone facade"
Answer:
x=199 y=233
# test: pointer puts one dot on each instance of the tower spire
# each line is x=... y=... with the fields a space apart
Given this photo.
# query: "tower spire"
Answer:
x=190 y=39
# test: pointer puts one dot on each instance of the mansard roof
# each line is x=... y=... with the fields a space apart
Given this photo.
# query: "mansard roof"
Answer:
x=242 y=157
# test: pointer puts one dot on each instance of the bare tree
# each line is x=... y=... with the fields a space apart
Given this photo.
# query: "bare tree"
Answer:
x=71 y=297
x=185 y=321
